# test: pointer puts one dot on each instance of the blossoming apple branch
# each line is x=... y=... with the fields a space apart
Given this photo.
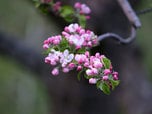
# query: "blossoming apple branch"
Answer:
x=70 y=50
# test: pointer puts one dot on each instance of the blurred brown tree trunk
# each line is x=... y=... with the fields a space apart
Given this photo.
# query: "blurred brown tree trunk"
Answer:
x=70 y=96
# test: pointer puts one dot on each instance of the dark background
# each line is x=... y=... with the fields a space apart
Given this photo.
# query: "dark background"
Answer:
x=26 y=85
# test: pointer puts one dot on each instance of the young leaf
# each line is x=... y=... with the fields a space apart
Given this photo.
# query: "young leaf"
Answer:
x=114 y=83
x=106 y=63
x=81 y=50
x=79 y=75
x=82 y=20
x=104 y=87
x=67 y=13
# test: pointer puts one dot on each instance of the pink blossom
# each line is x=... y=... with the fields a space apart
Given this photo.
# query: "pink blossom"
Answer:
x=85 y=9
x=65 y=34
x=57 y=6
x=94 y=71
x=97 y=64
x=45 y=46
x=106 y=71
x=65 y=69
x=72 y=28
x=79 y=68
x=77 y=5
x=115 y=75
x=55 y=71
x=86 y=64
x=82 y=8
x=87 y=17
x=81 y=58
x=105 y=78
x=87 y=53
x=89 y=72
x=76 y=40
x=66 y=58
x=47 y=59
x=71 y=65
x=92 y=80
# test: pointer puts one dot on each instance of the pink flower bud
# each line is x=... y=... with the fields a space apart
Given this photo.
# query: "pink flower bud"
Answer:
x=115 y=77
x=85 y=9
x=88 y=72
x=47 y=59
x=57 y=6
x=77 y=5
x=56 y=42
x=79 y=68
x=98 y=64
x=55 y=71
x=87 y=53
x=86 y=64
x=71 y=65
x=92 y=81
x=87 y=17
x=65 y=70
x=105 y=78
x=94 y=71
x=106 y=71
x=45 y=46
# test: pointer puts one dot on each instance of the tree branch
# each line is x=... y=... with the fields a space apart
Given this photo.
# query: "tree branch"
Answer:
x=129 y=12
x=119 y=38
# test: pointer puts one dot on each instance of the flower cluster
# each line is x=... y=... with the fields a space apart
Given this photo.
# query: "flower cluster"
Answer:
x=70 y=51
x=78 y=13
x=83 y=9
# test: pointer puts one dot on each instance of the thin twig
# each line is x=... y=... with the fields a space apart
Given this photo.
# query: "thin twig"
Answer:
x=119 y=38
x=144 y=11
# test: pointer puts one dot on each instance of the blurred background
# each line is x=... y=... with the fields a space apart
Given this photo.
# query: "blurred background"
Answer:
x=24 y=91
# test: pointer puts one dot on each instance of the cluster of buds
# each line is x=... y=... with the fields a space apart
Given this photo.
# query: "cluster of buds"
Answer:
x=82 y=9
x=78 y=13
x=70 y=51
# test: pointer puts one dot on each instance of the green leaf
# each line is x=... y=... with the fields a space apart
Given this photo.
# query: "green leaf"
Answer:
x=46 y=52
x=104 y=87
x=82 y=20
x=87 y=77
x=37 y=3
x=44 y=8
x=67 y=12
x=63 y=45
x=81 y=50
x=106 y=62
x=79 y=75
x=114 y=83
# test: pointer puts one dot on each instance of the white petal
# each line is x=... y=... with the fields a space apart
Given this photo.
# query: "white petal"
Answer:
x=70 y=57
x=66 y=53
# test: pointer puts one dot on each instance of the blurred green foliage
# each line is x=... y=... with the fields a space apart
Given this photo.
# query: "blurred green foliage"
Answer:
x=20 y=91
x=144 y=40
x=144 y=4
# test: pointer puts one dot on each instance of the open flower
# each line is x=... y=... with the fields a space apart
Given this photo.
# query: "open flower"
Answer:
x=66 y=58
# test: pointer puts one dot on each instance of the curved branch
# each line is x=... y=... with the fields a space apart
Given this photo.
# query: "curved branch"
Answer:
x=119 y=38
